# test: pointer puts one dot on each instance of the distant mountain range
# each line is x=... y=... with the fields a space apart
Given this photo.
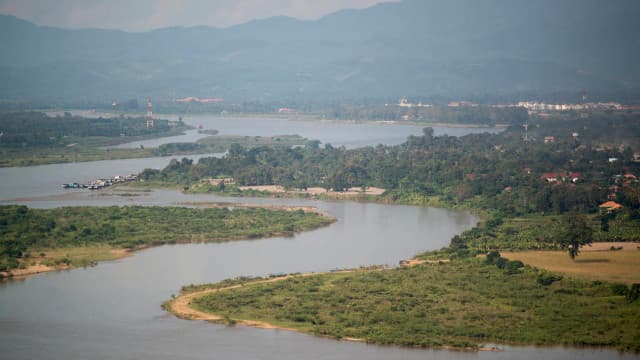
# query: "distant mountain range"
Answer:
x=410 y=48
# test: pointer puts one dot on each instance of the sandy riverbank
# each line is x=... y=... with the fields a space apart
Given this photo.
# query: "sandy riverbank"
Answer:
x=181 y=307
x=99 y=253
x=315 y=191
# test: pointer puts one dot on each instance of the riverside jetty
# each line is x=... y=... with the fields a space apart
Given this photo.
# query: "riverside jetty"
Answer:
x=98 y=184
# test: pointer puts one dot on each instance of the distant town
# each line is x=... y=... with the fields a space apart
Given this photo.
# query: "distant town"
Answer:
x=531 y=106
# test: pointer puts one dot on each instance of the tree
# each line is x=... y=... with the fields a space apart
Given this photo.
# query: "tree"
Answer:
x=573 y=233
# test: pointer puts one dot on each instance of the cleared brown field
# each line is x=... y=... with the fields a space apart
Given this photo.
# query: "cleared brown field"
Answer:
x=621 y=266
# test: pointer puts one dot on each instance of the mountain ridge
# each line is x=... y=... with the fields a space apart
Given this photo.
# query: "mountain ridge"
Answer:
x=409 y=48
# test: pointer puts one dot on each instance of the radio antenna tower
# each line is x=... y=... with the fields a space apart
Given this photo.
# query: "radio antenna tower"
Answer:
x=526 y=132
x=584 y=112
x=149 y=114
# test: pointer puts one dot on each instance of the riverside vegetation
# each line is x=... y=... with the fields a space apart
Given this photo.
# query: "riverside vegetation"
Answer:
x=79 y=236
x=523 y=187
x=33 y=138
x=468 y=300
x=460 y=304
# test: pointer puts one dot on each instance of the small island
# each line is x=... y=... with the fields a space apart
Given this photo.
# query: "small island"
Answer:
x=40 y=240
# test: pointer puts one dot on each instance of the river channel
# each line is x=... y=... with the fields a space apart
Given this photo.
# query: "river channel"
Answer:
x=112 y=311
x=337 y=133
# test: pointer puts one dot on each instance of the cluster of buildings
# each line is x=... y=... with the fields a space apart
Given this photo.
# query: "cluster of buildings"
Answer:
x=541 y=106
x=562 y=176
x=406 y=104
x=198 y=100
x=532 y=106
x=621 y=181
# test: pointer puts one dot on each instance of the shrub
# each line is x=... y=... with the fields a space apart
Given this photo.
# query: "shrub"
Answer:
x=492 y=257
x=619 y=289
x=546 y=280
x=501 y=263
x=463 y=253
x=634 y=293
x=7 y=263
x=513 y=266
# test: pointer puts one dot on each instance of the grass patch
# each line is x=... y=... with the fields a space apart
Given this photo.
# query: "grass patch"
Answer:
x=76 y=256
x=613 y=266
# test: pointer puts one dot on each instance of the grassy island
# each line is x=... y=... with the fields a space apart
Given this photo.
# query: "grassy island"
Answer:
x=43 y=240
x=462 y=303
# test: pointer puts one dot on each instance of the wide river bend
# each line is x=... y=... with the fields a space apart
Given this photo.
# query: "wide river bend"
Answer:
x=112 y=311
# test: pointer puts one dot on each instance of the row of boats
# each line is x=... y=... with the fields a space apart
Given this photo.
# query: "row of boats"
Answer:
x=101 y=183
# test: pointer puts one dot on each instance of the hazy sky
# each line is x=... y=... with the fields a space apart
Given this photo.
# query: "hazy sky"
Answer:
x=141 y=15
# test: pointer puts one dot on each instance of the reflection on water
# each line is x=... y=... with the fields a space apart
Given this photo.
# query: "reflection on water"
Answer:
x=112 y=311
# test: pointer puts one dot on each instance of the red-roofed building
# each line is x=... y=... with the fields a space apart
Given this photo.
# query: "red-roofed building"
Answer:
x=550 y=177
x=574 y=177
x=610 y=206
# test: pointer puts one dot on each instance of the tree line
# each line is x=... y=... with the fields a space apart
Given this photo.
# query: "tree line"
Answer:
x=31 y=128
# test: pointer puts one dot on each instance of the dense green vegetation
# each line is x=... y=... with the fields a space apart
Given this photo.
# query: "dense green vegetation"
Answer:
x=498 y=172
x=34 y=129
x=537 y=232
x=25 y=232
x=599 y=129
x=33 y=138
x=461 y=304
x=534 y=194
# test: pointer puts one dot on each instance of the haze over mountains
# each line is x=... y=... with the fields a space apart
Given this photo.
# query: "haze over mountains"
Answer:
x=411 y=48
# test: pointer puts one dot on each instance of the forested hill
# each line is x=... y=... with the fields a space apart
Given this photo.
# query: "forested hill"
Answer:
x=408 y=48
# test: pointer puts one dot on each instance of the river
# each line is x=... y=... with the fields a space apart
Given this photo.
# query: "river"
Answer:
x=337 y=133
x=112 y=311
